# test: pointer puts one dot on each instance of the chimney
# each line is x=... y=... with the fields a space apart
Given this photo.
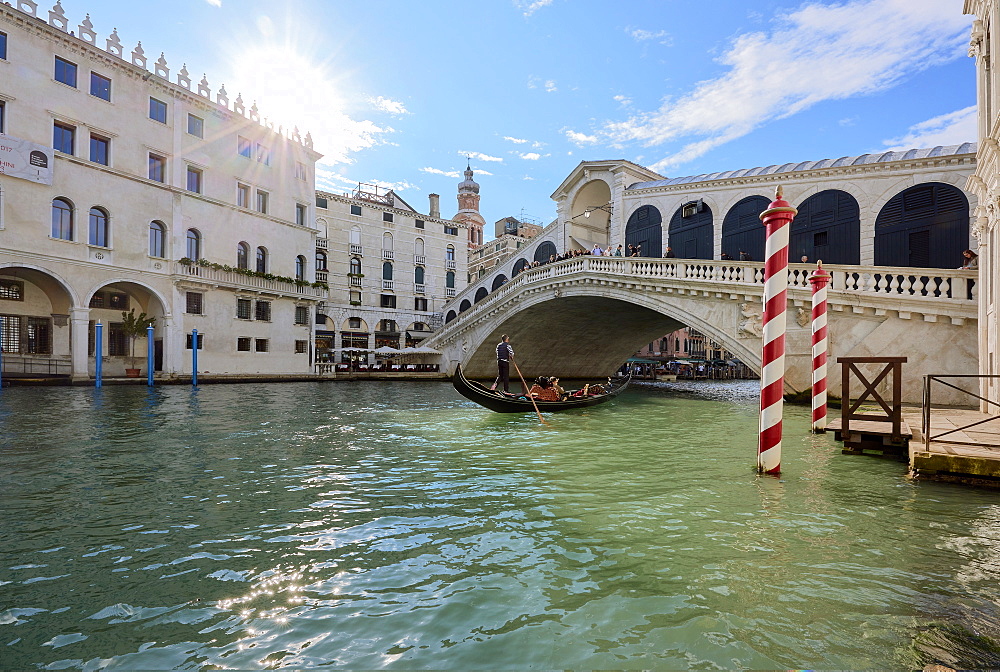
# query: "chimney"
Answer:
x=435 y=206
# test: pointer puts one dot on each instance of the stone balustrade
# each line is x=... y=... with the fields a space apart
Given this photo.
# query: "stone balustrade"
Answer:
x=239 y=281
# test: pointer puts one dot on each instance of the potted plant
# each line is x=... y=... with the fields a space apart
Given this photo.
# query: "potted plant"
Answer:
x=134 y=327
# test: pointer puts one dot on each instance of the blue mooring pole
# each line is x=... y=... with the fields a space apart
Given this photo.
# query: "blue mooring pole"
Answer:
x=149 y=355
x=98 y=352
x=194 y=357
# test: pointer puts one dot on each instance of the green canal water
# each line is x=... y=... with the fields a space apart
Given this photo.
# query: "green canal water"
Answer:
x=398 y=526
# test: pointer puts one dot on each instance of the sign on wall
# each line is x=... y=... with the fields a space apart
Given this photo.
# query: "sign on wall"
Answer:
x=26 y=160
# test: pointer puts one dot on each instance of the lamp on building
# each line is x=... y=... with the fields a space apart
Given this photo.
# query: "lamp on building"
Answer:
x=586 y=213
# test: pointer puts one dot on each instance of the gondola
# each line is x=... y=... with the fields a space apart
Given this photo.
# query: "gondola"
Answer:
x=501 y=403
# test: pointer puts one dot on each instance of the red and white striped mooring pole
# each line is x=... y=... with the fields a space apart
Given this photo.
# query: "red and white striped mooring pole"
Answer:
x=777 y=221
x=819 y=280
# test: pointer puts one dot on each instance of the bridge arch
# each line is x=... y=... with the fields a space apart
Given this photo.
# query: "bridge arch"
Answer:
x=450 y=316
x=742 y=230
x=545 y=250
x=481 y=294
x=827 y=227
x=590 y=214
x=924 y=226
x=519 y=266
x=534 y=321
x=464 y=306
x=498 y=282
x=644 y=227
x=690 y=233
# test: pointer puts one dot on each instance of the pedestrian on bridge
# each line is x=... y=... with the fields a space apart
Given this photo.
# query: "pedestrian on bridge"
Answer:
x=505 y=353
x=669 y=253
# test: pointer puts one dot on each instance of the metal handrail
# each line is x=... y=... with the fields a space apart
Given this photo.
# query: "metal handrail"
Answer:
x=926 y=415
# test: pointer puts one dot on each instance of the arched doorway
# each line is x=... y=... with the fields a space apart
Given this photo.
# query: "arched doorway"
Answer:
x=925 y=226
x=590 y=215
x=520 y=265
x=645 y=228
x=742 y=230
x=481 y=294
x=690 y=232
x=107 y=303
x=35 y=323
x=449 y=317
x=827 y=227
x=499 y=282
x=544 y=252
x=464 y=306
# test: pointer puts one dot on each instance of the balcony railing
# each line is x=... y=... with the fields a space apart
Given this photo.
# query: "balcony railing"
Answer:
x=387 y=255
x=322 y=243
x=449 y=292
x=419 y=259
x=356 y=249
x=355 y=281
x=239 y=281
x=322 y=276
x=419 y=288
x=450 y=264
x=387 y=284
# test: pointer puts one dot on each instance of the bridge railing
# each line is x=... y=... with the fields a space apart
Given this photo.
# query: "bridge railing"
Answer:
x=934 y=284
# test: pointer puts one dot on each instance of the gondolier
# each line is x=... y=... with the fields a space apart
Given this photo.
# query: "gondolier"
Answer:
x=505 y=353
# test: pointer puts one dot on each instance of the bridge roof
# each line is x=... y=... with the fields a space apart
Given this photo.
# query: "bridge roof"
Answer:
x=882 y=157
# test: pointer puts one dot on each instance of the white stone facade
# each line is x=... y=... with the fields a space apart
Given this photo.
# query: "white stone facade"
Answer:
x=985 y=183
x=360 y=233
x=139 y=151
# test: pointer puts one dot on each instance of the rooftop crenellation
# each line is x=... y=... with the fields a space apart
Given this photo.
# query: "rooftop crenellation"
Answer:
x=113 y=45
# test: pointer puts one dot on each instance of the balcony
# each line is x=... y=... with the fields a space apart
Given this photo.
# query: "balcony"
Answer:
x=232 y=279
x=387 y=284
x=355 y=281
x=450 y=264
x=322 y=276
x=419 y=260
x=387 y=255
x=449 y=292
x=419 y=288
x=322 y=243
x=356 y=249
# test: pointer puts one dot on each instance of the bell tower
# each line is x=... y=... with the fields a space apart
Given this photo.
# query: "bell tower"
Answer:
x=468 y=208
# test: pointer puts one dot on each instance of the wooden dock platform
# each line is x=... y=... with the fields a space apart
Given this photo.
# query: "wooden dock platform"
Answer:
x=872 y=435
x=970 y=455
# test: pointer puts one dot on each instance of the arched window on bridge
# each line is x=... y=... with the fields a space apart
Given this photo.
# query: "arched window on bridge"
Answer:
x=645 y=227
x=742 y=230
x=449 y=317
x=925 y=226
x=520 y=265
x=544 y=251
x=481 y=294
x=499 y=281
x=828 y=227
x=464 y=306
x=690 y=232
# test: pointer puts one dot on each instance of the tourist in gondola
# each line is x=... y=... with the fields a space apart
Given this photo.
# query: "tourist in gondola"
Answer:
x=542 y=390
x=505 y=353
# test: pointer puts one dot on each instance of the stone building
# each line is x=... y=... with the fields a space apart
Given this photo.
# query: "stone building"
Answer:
x=124 y=187
x=985 y=184
x=390 y=270
x=468 y=209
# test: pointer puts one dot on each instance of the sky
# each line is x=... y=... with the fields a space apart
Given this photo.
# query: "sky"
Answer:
x=403 y=94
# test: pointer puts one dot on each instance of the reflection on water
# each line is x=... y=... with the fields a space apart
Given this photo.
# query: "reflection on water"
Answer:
x=396 y=525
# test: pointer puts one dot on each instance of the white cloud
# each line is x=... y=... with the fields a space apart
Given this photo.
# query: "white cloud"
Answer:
x=819 y=52
x=481 y=157
x=580 y=139
x=480 y=171
x=446 y=173
x=390 y=106
x=529 y=178
x=640 y=35
x=624 y=101
x=214 y=3
x=529 y=7
x=550 y=85
x=953 y=128
x=531 y=156
x=334 y=179
x=517 y=141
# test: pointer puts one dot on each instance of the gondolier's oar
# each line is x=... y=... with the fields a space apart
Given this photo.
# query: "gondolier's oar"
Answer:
x=528 y=394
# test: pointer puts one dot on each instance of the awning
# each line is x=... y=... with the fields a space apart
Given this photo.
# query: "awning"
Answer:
x=386 y=350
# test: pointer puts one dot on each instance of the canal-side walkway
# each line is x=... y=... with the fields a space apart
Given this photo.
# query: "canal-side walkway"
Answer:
x=970 y=455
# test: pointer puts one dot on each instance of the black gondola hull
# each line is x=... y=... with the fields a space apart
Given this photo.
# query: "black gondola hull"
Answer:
x=496 y=401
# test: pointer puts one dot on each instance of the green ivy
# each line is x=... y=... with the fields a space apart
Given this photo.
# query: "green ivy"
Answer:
x=187 y=261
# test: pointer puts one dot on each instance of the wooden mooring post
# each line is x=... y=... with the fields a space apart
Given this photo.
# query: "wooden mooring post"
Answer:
x=862 y=430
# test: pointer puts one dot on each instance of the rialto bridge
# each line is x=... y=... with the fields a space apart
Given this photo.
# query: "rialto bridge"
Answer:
x=585 y=316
